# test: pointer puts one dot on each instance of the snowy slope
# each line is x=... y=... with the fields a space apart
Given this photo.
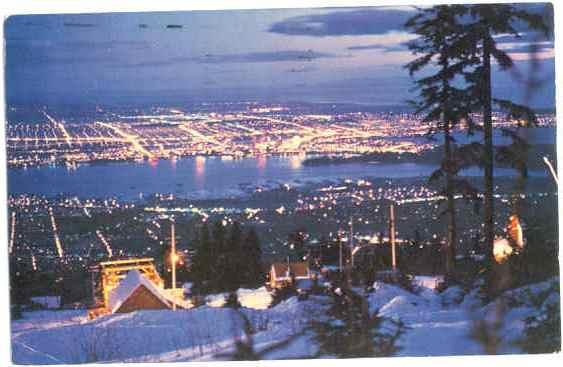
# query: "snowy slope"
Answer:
x=437 y=324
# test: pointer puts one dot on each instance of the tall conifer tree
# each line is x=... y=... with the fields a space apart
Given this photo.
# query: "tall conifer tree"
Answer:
x=483 y=22
x=445 y=105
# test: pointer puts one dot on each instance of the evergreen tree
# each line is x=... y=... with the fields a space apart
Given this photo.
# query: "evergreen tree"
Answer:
x=296 y=242
x=485 y=21
x=351 y=332
x=444 y=104
x=235 y=260
x=203 y=260
x=221 y=256
x=225 y=263
x=166 y=266
x=252 y=254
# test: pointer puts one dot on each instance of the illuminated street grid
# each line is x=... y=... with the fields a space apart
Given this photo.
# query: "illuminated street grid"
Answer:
x=87 y=230
x=171 y=133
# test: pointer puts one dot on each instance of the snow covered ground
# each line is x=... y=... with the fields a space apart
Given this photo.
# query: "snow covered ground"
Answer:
x=437 y=324
x=251 y=298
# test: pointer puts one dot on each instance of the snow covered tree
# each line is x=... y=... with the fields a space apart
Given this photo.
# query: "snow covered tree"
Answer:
x=351 y=332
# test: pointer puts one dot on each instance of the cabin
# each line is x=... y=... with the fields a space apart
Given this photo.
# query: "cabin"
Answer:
x=129 y=285
x=137 y=292
x=283 y=274
x=107 y=275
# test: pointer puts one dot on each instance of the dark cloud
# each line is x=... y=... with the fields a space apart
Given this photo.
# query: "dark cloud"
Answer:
x=130 y=45
x=529 y=47
x=264 y=57
x=358 y=22
x=523 y=37
x=524 y=41
x=36 y=52
x=251 y=57
x=372 y=21
x=385 y=48
x=78 y=25
x=304 y=69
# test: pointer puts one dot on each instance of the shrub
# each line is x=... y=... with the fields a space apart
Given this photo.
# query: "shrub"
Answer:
x=232 y=301
x=281 y=294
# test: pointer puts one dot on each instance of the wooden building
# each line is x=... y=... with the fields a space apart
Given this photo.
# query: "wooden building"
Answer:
x=131 y=284
x=137 y=292
x=282 y=274
x=107 y=275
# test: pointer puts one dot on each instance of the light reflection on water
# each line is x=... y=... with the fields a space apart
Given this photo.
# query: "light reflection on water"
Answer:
x=200 y=177
x=199 y=172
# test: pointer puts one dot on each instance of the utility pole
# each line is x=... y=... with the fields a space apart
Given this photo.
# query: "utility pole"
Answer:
x=340 y=252
x=173 y=260
x=352 y=241
x=392 y=235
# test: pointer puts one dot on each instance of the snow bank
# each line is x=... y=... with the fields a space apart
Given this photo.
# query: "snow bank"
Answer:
x=258 y=299
x=209 y=333
x=428 y=281
x=452 y=296
x=254 y=298
x=386 y=297
x=50 y=302
x=136 y=336
x=164 y=335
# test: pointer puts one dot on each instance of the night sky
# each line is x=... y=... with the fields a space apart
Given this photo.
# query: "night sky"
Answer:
x=313 y=55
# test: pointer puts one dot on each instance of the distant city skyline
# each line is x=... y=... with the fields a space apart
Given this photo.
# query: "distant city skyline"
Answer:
x=349 y=55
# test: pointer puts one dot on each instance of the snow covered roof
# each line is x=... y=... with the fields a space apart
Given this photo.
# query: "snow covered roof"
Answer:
x=298 y=270
x=133 y=280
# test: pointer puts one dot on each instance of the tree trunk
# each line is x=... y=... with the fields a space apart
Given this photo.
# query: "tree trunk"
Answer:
x=488 y=156
x=451 y=241
x=448 y=159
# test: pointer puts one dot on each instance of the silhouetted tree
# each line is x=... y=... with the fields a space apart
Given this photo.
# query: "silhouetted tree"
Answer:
x=444 y=105
x=165 y=251
x=225 y=263
x=203 y=259
x=252 y=254
x=296 y=242
x=483 y=23
x=235 y=260
x=221 y=268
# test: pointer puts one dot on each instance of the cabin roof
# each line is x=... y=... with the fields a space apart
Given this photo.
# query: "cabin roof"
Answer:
x=133 y=280
x=298 y=269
